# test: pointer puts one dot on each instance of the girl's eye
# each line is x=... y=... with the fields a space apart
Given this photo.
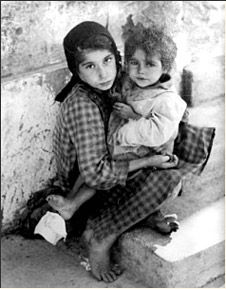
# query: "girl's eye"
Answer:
x=108 y=59
x=90 y=66
x=150 y=64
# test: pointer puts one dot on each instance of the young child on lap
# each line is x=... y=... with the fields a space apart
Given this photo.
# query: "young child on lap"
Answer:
x=146 y=116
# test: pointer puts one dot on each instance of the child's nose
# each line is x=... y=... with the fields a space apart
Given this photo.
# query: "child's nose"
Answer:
x=141 y=69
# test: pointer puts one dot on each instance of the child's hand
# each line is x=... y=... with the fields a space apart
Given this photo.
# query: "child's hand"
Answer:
x=125 y=111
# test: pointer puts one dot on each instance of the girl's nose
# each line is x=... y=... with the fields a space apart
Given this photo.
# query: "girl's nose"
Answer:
x=102 y=72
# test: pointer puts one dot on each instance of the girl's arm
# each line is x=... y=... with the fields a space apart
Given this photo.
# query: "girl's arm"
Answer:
x=88 y=135
x=134 y=165
x=159 y=161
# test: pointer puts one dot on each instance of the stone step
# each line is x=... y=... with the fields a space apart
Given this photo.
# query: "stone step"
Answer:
x=141 y=251
x=191 y=257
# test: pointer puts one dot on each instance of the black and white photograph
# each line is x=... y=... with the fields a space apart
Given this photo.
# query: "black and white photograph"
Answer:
x=113 y=144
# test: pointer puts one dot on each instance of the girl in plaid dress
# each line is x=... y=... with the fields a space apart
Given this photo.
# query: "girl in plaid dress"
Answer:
x=123 y=198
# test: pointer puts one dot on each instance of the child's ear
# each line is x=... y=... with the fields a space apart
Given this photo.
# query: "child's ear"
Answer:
x=165 y=71
x=125 y=66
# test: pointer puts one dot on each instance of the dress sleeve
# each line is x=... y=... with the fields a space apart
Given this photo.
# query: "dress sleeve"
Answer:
x=158 y=127
x=95 y=163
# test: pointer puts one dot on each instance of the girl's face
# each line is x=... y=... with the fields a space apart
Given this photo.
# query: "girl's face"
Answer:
x=98 y=69
x=144 y=70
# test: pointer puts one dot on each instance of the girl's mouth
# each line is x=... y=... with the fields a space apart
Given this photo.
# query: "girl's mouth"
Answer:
x=141 y=78
x=105 y=83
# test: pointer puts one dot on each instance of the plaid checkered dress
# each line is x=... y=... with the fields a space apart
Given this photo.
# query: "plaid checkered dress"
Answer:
x=80 y=141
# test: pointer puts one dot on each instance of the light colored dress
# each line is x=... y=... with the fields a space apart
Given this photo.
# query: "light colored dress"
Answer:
x=161 y=109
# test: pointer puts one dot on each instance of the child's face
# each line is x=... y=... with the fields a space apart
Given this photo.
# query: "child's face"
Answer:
x=98 y=69
x=144 y=70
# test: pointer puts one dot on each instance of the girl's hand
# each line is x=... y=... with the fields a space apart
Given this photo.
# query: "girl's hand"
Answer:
x=158 y=161
x=125 y=111
x=163 y=162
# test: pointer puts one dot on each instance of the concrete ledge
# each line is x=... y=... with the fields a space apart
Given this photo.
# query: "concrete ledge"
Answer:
x=216 y=283
x=144 y=252
x=191 y=257
x=203 y=80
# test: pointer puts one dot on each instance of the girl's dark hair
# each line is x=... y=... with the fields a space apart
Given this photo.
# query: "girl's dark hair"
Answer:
x=87 y=35
x=152 y=41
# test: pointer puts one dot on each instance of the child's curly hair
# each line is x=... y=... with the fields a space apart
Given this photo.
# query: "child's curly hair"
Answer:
x=152 y=41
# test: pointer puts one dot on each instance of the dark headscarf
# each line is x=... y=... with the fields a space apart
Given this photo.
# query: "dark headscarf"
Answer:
x=72 y=42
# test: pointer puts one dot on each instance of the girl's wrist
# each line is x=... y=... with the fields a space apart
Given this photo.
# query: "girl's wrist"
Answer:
x=136 y=116
x=145 y=160
x=148 y=165
x=137 y=164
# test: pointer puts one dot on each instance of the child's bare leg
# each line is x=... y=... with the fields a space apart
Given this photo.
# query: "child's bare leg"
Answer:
x=169 y=151
x=68 y=206
x=168 y=147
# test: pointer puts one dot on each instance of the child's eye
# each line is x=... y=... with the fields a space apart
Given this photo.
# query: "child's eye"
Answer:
x=150 y=64
x=133 y=62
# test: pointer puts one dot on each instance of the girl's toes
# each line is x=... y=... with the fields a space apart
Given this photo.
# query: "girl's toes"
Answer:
x=109 y=277
x=163 y=228
x=49 y=198
x=174 y=226
x=53 y=198
x=117 y=269
x=97 y=276
x=171 y=217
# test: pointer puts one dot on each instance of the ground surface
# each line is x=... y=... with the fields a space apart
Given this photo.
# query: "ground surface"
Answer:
x=38 y=264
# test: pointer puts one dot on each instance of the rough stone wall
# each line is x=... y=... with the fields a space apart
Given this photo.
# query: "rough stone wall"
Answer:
x=32 y=31
x=28 y=116
x=33 y=70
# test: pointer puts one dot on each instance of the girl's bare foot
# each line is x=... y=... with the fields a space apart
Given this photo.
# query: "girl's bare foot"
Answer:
x=163 y=224
x=65 y=207
x=99 y=257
